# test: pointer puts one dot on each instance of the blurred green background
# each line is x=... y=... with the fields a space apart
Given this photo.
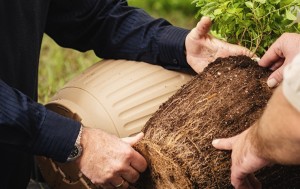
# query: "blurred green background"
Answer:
x=58 y=65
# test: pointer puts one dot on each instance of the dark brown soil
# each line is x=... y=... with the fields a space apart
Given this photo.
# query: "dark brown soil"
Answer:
x=228 y=97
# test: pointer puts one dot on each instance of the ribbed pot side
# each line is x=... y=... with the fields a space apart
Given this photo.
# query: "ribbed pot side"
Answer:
x=117 y=96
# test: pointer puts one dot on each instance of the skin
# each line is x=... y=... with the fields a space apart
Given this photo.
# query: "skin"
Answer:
x=281 y=53
x=107 y=160
x=202 y=48
x=273 y=139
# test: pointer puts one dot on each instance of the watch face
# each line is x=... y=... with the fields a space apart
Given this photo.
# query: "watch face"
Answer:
x=75 y=153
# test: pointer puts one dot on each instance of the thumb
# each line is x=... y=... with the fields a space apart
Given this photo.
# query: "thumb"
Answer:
x=201 y=29
x=275 y=78
x=223 y=144
x=134 y=139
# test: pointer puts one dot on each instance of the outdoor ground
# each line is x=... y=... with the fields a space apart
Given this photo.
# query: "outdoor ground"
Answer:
x=58 y=65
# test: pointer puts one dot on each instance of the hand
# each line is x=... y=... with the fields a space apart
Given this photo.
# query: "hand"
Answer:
x=108 y=161
x=245 y=160
x=202 y=48
x=281 y=53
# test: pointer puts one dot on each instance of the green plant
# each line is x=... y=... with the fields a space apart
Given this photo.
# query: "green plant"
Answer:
x=178 y=12
x=255 y=24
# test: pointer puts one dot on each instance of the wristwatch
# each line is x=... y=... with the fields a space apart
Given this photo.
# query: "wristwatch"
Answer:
x=77 y=149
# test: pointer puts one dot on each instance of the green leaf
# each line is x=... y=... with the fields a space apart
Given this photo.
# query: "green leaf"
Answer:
x=289 y=15
x=259 y=12
x=252 y=23
x=261 y=1
x=285 y=2
x=249 y=4
x=274 y=2
x=218 y=11
x=234 y=10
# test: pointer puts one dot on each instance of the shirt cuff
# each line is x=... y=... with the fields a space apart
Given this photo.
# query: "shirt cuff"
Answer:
x=171 y=41
x=291 y=83
x=56 y=137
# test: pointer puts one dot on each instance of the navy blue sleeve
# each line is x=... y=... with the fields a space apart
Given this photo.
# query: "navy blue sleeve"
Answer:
x=117 y=31
x=27 y=125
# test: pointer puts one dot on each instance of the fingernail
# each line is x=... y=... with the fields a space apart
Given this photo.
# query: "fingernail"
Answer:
x=216 y=141
x=257 y=59
x=272 y=82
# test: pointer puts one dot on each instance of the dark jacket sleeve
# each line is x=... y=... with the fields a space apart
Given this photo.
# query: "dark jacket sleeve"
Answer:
x=28 y=126
x=115 y=30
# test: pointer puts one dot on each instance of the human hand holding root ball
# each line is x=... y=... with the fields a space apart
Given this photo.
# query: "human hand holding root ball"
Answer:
x=202 y=48
x=275 y=137
x=108 y=161
x=111 y=162
x=281 y=53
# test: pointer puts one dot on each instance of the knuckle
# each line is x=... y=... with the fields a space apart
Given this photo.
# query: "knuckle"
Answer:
x=109 y=175
x=278 y=74
x=97 y=181
x=128 y=154
x=135 y=177
x=118 y=168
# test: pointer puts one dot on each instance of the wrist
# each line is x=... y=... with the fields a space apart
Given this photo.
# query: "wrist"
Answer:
x=257 y=140
x=77 y=149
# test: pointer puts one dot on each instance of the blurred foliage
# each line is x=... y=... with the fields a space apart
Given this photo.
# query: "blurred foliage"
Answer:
x=58 y=65
x=178 y=12
x=254 y=24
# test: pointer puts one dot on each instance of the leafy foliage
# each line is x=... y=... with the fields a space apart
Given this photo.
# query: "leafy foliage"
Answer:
x=59 y=65
x=255 y=24
x=165 y=6
x=178 y=12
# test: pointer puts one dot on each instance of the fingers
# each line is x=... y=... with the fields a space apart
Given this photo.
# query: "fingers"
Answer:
x=107 y=160
x=273 y=58
x=223 y=144
x=131 y=175
x=253 y=181
x=134 y=139
x=122 y=178
x=273 y=54
x=120 y=184
x=239 y=50
x=139 y=163
x=275 y=78
x=245 y=181
x=203 y=26
x=201 y=29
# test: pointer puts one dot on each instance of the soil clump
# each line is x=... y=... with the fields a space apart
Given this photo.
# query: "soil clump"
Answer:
x=222 y=101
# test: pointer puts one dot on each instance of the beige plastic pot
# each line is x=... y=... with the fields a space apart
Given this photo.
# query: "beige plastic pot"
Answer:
x=117 y=96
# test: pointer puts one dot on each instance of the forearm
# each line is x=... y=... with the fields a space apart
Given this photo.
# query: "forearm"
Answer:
x=276 y=136
x=114 y=30
x=28 y=126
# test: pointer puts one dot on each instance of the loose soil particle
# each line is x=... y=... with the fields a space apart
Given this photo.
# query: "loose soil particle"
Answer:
x=222 y=101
